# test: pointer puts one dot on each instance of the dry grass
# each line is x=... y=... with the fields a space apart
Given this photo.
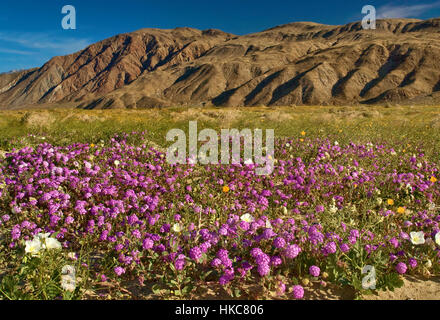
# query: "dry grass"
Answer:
x=417 y=124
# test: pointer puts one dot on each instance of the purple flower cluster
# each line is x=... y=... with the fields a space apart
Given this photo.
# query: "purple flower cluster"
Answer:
x=135 y=208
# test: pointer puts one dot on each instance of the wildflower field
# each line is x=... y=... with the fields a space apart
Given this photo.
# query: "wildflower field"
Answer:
x=90 y=208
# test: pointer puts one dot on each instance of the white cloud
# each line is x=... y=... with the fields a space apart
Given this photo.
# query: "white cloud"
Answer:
x=41 y=41
x=12 y=51
x=405 y=11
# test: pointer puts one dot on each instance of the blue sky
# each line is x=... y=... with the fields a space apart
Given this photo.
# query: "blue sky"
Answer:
x=31 y=32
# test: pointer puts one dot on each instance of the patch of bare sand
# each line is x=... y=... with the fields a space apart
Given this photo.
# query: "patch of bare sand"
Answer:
x=214 y=291
x=415 y=288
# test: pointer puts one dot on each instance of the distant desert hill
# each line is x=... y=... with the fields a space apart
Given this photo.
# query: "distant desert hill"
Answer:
x=295 y=64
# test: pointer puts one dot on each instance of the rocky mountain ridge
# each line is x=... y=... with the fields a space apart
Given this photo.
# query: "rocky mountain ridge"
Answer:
x=294 y=64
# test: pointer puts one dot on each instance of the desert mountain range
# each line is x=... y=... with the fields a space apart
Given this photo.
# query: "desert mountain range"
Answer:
x=294 y=64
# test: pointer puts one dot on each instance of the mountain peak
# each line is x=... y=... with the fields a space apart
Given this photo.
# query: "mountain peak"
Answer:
x=292 y=64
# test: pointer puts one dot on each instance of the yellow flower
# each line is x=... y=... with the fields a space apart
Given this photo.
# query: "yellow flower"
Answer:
x=92 y=146
x=303 y=133
x=302 y=140
x=226 y=189
x=401 y=210
x=433 y=179
x=390 y=202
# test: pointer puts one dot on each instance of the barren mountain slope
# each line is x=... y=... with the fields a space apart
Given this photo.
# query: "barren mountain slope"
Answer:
x=298 y=63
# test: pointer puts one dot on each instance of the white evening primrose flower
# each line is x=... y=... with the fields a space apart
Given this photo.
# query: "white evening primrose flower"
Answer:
x=268 y=224
x=336 y=143
x=393 y=153
x=248 y=162
x=333 y=209
x=52 y=243
x=42 y=236
x=177 y=228
x=379 y=201
x=117 y=162
x=431 y=206
x=285 y=210
x=247 y=218
x=437 y=238
x=33 y=247
x=417 y=237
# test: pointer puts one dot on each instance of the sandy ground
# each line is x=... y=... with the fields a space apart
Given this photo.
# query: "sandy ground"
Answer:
x=415 y=288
